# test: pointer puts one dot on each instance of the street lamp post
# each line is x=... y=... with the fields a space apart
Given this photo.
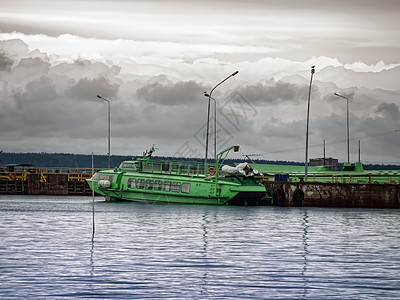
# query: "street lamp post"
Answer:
x=215 y=113
x=348 y=130
x=308 y=121
x=109 y=128
x=215 y=123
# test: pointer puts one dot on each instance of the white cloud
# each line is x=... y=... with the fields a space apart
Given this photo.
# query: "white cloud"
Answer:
x=362 y=67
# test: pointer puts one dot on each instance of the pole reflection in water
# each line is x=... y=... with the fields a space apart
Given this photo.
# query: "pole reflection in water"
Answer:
x=305 y=253
x=91 y=274
x=204 y=225
x=91 y=257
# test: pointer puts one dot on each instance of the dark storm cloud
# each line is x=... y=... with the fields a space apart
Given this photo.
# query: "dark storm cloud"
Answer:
x=49 y=88
x=37 y=110
x=5 y=62
x=88 y=89
x=389 y=110
x=40 y=92
x=183 y=92
x=378 y=135
x=271 y=93
x=43 y=111
x=42 y=104
x=83 y=68
x=374 y=124
x=332 y=98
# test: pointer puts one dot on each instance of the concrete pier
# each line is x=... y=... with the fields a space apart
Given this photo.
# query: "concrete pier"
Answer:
x=25 y=183
x=335 y=194
x=286 y=193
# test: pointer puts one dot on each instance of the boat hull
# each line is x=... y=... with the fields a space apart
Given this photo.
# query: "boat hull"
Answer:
x=240 y=199
x=162 y=198
x=202 y=190
x=251 y=199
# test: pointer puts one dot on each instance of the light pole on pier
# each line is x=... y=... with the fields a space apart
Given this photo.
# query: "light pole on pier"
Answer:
x=308 y=121
x=215 y=123
x=109 y=128
x=348 y=129
x=208 y=116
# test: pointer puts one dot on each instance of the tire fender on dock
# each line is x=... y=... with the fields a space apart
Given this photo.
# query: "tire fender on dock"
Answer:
x=279 y=195
x=298 y=196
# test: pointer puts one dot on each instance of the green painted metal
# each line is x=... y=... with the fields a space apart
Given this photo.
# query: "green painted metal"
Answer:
x=347 y=173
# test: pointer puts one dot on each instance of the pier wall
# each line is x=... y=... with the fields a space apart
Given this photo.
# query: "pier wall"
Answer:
x=335 y=194
x=285 y=193
x=45 y=184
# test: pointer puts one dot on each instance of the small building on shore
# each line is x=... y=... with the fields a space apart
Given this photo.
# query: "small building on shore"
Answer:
x=330 y=162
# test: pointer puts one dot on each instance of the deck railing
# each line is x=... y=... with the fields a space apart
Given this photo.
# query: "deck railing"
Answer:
x=179 y=168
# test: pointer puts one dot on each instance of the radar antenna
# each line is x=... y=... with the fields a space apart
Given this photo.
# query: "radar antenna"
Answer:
x=148 y=153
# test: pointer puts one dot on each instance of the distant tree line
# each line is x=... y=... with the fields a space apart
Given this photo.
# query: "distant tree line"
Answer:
x=69 y=160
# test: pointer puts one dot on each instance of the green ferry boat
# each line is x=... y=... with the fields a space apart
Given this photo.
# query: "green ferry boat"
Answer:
x=148 y=180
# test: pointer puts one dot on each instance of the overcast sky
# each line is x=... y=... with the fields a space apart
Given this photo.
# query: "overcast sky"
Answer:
x=154 y=60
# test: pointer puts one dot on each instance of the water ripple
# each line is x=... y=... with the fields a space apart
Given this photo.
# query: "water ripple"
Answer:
x=47 y=251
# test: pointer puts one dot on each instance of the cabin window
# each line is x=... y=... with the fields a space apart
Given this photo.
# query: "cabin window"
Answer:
x=156 y=167
x=148 y=167
x=157 y=185
x=100 y=176
x=167 y=186
x=165 y=166
x=174 y=168
x=176 y=187
x=149 y=184
x=140 y=183
x=185 y=169
x=128 y=165
x=131 y=183
x=186 y=188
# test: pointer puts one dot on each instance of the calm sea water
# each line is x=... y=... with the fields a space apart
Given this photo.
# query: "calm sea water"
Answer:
x=47 y=251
